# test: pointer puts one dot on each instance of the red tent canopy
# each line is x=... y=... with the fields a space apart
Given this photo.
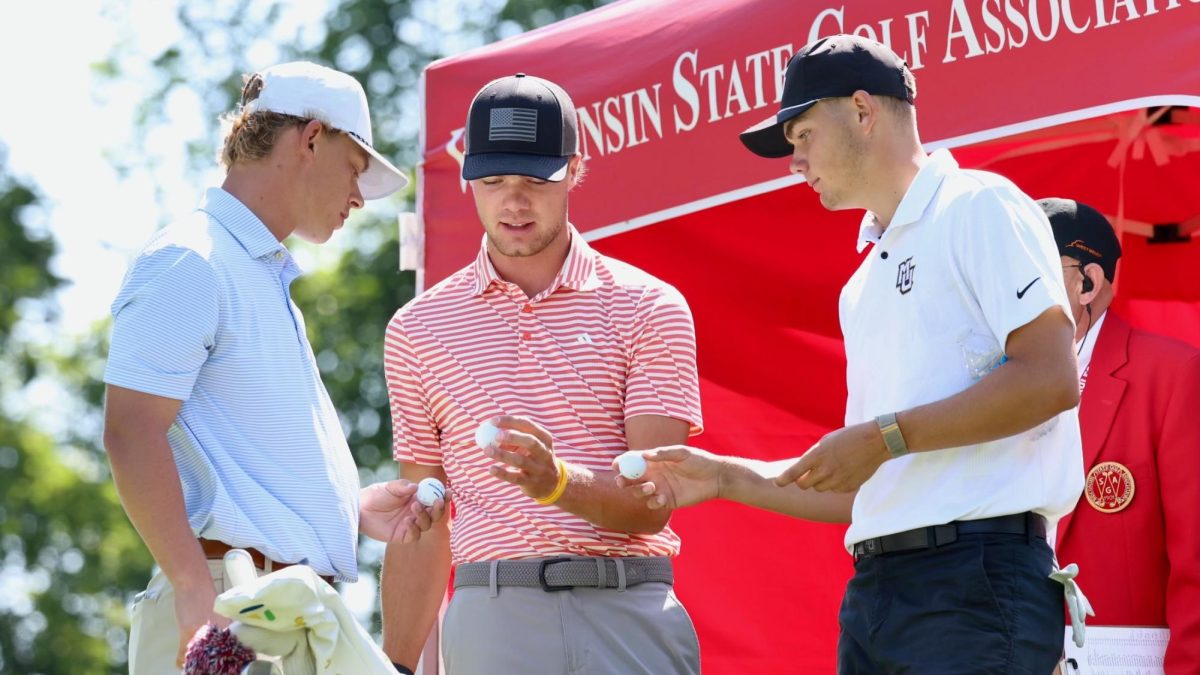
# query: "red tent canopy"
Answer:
x=663 y=87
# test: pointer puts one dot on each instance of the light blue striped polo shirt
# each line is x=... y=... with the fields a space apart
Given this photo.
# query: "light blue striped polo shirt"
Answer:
x=204 y=316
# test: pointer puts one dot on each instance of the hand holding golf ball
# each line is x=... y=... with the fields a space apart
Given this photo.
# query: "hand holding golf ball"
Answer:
x=524 y=456
x=682 y=475
x=485 y=435
x=632 y=464
x=429 y=490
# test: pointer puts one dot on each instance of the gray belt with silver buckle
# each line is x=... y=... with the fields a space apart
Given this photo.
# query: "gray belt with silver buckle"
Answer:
x=566 y=572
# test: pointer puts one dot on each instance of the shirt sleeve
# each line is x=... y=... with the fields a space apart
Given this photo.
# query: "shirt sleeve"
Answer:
x=415 y=436
x=663 y=378
x=165 y=322
x=1005 y=251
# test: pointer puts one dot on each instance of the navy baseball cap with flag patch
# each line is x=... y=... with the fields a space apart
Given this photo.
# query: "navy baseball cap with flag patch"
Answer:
x=520 y=125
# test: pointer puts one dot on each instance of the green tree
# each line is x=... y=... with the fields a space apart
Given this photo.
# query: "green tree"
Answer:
x=24 y=256
x=68 y=553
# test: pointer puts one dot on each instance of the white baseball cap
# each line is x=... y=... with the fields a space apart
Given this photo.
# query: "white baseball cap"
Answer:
x=304 y=89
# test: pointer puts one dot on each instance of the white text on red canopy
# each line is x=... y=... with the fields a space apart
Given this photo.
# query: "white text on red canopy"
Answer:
x=701 y=92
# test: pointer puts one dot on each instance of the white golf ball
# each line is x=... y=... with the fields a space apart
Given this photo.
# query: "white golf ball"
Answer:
x=632 y=465
x=485 y=435
x=429 y=490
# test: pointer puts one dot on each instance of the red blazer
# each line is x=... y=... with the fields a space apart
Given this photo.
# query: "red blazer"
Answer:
x=1141 y=566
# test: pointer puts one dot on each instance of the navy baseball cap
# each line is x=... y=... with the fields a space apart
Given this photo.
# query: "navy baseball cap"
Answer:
x=520 y=125
x=1083 y=233
x=831 y=67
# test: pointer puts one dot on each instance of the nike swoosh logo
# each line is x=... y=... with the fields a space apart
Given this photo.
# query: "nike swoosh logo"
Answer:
x=1021 y=293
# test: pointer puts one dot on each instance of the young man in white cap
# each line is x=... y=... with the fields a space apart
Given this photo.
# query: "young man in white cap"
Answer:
x=961 y=446
x=577 y=358
x=218 y=429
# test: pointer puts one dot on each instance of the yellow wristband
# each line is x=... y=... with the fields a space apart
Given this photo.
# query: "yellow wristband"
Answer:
x=558 y=489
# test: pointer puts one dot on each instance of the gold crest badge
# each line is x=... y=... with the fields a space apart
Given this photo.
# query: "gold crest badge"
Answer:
x=1109 y=487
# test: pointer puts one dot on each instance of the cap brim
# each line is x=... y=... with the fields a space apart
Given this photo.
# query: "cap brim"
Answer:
x=381 y=178
x=482 y=165
x=766 y=139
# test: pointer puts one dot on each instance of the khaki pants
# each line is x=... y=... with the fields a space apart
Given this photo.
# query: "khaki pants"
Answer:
x=643 y=630
x=154 y=633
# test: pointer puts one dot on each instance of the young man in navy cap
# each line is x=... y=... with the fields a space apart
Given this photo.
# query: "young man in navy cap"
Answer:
x=218 y=428
x=576 y=357
x=1136 y=532
x=961 y=445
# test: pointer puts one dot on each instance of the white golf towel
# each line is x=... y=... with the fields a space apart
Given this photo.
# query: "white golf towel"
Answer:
x=294 y=615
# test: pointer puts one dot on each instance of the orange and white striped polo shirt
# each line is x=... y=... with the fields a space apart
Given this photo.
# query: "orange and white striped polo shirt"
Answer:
x=603 y=343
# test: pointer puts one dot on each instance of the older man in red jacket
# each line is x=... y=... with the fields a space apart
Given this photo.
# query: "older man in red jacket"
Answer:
x=1135 y=532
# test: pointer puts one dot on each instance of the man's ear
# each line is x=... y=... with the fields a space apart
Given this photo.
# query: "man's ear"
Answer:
x=575 y=171
x=309 y=134
x=1093 y=281
x=865 y=109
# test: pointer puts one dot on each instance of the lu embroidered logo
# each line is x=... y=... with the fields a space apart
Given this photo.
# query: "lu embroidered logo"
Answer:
x=904 y=276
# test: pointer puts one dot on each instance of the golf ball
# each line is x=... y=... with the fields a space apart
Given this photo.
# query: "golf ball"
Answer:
x=485 y=435
x=631 y=465
x=429 y=490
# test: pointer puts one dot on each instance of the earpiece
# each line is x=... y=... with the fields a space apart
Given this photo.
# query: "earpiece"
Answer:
x=1088 y=286
x=1088 y=307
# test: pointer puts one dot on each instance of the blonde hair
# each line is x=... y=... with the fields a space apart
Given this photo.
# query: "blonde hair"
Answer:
x=898 y=107
x=581 y=171
x=251 y=135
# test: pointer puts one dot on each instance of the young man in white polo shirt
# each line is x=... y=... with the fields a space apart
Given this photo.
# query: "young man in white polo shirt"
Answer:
x=218 y=428
x=961 y=447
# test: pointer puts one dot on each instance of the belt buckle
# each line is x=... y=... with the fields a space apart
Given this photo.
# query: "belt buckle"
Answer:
x=541 y=575
x=867 y=548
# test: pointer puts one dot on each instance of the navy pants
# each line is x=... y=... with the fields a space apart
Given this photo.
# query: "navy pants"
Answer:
x=982 y=604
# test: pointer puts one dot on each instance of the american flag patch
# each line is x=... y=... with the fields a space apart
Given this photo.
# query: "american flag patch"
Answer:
x=513 y=124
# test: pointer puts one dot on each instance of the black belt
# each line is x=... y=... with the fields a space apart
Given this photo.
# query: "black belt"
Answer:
x=565 y=572
x=941 y=535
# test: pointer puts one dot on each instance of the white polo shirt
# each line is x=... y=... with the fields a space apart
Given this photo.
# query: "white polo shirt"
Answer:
x=967 y=259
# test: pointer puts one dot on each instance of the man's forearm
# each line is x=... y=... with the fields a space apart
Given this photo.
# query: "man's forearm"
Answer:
x=1039 y=380
x=412 y=586
x=752 y=482
x=147 y=482
x=594 y=496
x=1012 y=399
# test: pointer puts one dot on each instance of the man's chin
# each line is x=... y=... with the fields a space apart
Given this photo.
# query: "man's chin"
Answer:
x=315 y=237
x=832 y=202
x=514 y=251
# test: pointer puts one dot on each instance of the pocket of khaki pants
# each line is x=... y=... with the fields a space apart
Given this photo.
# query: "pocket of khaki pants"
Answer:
x=140 y=600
